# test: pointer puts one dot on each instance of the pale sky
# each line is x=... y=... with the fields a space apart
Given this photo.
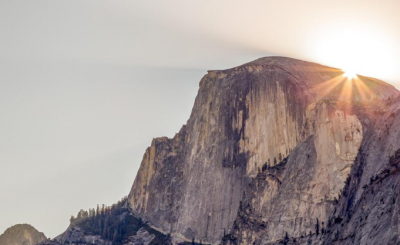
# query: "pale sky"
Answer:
x=86 y=85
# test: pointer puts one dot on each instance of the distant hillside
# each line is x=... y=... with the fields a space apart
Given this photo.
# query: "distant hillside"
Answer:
x=22 y=234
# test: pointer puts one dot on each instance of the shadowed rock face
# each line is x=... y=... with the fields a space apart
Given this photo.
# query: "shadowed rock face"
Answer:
x=266 y=151
x=22 y=235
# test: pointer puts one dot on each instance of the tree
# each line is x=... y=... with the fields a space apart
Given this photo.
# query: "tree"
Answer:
x=309 y=239
x=317 y=227
x=103 y=209
x=264 y=167
x=115 y=236
x=286 y=239
x=71 y=220
x=108 y=222
x=82 y=214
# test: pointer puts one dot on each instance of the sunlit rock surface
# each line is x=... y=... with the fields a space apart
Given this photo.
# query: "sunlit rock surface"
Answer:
x=266 y=152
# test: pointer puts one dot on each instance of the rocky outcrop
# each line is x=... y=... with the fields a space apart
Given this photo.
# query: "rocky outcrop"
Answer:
x=113 y=225
x=266 y=152
x=142 y=237
x=22 y=234
x=74 y=235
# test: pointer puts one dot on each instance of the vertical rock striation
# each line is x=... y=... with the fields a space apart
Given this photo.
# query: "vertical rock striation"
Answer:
x=266 y=151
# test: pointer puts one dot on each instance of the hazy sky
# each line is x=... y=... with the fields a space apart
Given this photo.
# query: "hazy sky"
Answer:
x=86 y=85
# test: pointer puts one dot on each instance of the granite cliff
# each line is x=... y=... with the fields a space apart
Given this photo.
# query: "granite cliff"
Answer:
x=273 y=149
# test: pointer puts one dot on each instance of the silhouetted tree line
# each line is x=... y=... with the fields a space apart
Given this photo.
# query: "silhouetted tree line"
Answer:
x=319 y=230
x=105 y=221
x=115 y=223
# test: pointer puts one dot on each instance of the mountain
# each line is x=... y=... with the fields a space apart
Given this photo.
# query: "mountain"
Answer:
x=22 y=235
x=276 y=151
x=108 y=226
x=273 y=150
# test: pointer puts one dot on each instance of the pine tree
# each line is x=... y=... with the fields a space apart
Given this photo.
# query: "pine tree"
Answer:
x=105 y=221
x=115 y=236
x=102 y=212
x=71 y=220
x=286 y=239
x=309 y=239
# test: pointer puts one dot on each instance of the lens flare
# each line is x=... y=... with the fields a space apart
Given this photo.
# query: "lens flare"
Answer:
x=360 y=49
x=350 y=74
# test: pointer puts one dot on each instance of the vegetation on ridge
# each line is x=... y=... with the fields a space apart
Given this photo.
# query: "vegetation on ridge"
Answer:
x=115 y=223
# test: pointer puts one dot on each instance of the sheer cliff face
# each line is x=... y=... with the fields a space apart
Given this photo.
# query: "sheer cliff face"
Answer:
x=369 y=210
x=291 y=196
x=267 y=150
x=21 y=235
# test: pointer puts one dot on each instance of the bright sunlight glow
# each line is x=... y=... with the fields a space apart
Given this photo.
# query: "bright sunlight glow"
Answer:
x=350 y=74
x=358 y=48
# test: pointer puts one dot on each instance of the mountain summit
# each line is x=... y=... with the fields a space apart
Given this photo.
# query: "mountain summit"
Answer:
x=272 y=150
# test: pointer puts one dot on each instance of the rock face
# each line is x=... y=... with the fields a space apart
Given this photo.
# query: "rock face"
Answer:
x=22 y=234
x=266 y=152
x=142 y=237
x=368 y=212
x=75 y=235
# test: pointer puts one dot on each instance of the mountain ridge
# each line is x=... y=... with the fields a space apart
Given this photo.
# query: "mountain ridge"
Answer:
x=275 y=151
x=284 y=107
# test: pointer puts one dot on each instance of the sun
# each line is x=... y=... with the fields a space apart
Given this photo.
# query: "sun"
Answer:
x=356 y=47
x=350 y=74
